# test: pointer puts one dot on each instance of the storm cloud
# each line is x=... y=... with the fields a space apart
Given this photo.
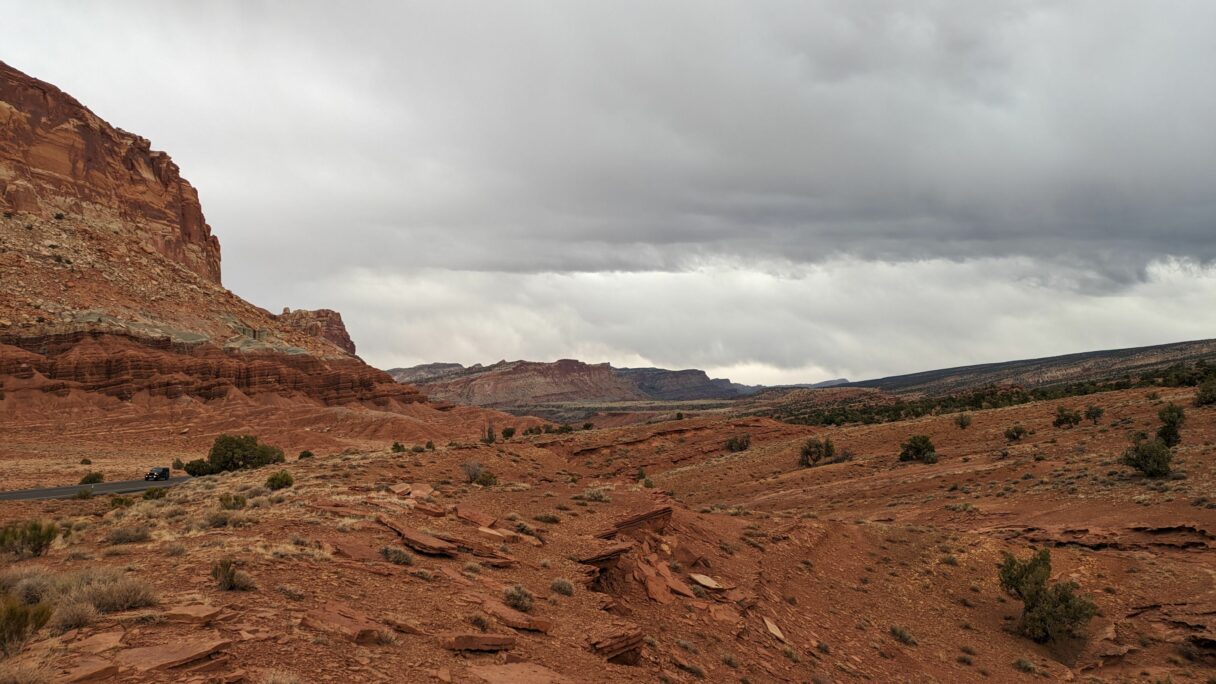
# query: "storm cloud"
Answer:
x=780 y=191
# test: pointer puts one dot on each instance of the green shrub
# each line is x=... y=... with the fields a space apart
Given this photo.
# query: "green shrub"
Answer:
x=588 y=426
x=31 y=538
x=177 y=464
x=1206 y=396
x=1066 y=418
x=1094 y=413
x=1049 y=612
x=486 y=479
x=86 y=461
x=963 y=421
x=233 y=452
x=679 y=415
x=279 y=480
x=430 y=446
x=232 y=502
x=304 y=454
x=902 y=635
x=198 y=468
x=1015 y=433
x=918 y=448
x=228 y=578
x=518 y=598
x=398 y=448
x=508 y=432
x=1151 y=457
x=738 y=443
x=816 y=450
x=395 y=555
x=18 y=622
x=117 y=501
x=93 y=477
x=1172 y=417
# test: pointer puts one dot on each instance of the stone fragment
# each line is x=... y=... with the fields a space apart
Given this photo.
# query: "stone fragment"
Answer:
x=476 y=642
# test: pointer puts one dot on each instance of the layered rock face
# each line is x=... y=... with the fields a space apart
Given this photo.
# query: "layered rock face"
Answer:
x=111 y=277
x=516 y=383
x=323 y=323
x=681 y=385
x=56 y=156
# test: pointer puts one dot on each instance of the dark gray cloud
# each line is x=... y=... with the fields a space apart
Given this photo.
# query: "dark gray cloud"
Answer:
x=639 y=143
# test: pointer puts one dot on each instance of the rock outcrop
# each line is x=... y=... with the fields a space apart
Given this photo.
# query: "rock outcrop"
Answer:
x=323 y=323
x=57 y=157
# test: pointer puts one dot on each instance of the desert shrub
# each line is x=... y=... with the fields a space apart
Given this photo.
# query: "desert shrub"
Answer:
x=18 y=622
x=1066 y=417
x=117 y=501
x=24 y=673
x=154 y=493
x=31 y=538
x=177 y=464
x=1172 y=416
x=903 y=636
x=279 y=480
x=588 y=426
x=679 y=415
x=918 y=448
x=241 y=452
x=472 y=470
x=738 y=443
x=304 y=454
x=232 y=502
x=508 y=432
x=648 y=483
x=71 y=615
x=430 y=445
x=816 y=450
x=1015 y=433
x=518 y=598
x=562 y=586
x=417 y=449
x=128 y=535
x=596 y=494
x=1094 y=413
x=1151 y=457
x=395 y=555
x=1049 y=612
x=93 y=477
x=197 y=468
x=1206 y=395
x=83 y=494
x=547 y=518
x=228 y=578
x=398 y=448
x=86 y=461
x=116 y=593
x=963 y=421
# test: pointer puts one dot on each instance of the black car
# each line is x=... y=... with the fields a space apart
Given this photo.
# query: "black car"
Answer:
x=157 y=474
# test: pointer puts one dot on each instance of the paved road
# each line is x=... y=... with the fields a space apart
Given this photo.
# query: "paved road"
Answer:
x=103 y=488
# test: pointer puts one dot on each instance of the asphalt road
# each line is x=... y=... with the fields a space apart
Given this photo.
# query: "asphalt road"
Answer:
x=102 y=488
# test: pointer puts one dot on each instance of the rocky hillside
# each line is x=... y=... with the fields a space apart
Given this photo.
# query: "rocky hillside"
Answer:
x=527 y=383
x=1082 y=367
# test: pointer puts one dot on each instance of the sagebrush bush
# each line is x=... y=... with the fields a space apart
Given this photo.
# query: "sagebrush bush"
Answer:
x=1151 y=457
x=232 y=502
x=816 y=450
x=279 y=480
x=1206 y=395
x=739 y=443
x=1066 y=417
x=1049 y=612
x=31 y=538
x=395 y=555
x=918 y=448
x=1015 y=433
x=128 y=535
x=71 y=615
x=963 y=421
x=18 y=622
x=518 y=598
x=93 y=477
x=228 y=578
x=562 y=586
x=155 y=493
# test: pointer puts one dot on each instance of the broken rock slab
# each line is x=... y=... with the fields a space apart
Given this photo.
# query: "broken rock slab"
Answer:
x=518 y=673
x=342 y=619
x=170 y=655
x=457 y=641
x=419 y=541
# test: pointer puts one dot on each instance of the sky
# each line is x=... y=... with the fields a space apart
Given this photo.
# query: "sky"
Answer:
x=775 y=192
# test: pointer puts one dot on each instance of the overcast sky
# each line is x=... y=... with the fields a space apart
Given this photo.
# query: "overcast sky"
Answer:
x=772 y=191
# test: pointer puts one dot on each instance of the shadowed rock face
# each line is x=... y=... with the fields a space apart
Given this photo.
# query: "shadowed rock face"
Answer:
x=57 y=156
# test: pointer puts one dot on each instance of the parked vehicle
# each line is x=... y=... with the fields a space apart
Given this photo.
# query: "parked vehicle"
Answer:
x=157 y=474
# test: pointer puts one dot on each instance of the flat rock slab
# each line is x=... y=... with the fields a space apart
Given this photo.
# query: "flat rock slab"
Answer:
x=90 y=670
x=476 y=642
x=355 y=550
x=472 y=515
x=100 y=642
x=774 y=629
x=170 y=655
x=518 y=673
x=342 y=619
x=706 y=581
x=198 y=614
x=419 y=541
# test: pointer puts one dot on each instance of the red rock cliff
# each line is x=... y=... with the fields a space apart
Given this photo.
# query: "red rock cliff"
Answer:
x=323 y=323
x=57 y=156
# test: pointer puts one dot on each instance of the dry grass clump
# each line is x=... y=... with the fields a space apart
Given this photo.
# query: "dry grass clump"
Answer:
x=13 y=673
x=279 y=677
x=518 y=598
x=228 y=578
x=562 y=586
x=128 y=535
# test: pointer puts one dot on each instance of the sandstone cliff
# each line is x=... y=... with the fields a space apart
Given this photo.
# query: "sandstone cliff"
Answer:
x=521 y=383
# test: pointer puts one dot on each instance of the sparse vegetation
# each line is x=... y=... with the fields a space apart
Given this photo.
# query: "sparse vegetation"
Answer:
x=1066 y=418
x=1151 y=457
x=93 y=477
x=918 y=448
x=902 y=635
x=398 y=448
x=1015 y=433
x=738 y=443
x=396 y=555
x=487 y=435
x=1050 y=611
x=18 y=622
x=154 y=493
x=1172 y=417
x=233 y=452
x=279 y=480
x=816 y=450
x=128 y=535
x=1094 y=413
x=31 y=538
x=1206 y=395
x=508 y=432
x=518 y=598
x=562 y=586
x=963 y=421
x=232 y=502
x=304 y=455
x=229 y=578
